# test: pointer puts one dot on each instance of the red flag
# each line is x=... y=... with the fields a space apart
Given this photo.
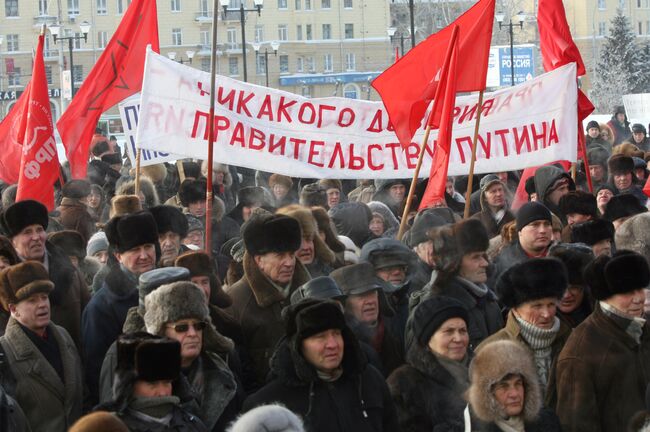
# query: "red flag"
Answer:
x=39 y=164
x=116 y=75
x=435 y=191
x=9 y=139
x=421 y=68
x=555 y=41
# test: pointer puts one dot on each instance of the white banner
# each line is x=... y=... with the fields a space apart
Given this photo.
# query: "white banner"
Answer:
x=637 y=106
x=129 y=111
x=271 y=130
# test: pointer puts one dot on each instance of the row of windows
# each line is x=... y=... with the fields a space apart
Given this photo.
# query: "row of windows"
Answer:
x=302 y=63
x=640 y=4
x=15 y=77
x=12 y=9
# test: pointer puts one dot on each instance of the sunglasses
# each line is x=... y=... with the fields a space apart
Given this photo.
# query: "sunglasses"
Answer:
x=183 y=328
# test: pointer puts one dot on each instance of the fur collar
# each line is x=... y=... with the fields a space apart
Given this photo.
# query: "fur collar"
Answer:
x=265 y=293
x=422 y=359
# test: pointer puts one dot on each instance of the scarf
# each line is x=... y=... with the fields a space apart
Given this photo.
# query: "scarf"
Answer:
x=331 y=376
x=512 y=424
x=459 y=370
x=156 y=407
x=633 y=326
x=541 y=342
x=476 y=290
x=196 y=379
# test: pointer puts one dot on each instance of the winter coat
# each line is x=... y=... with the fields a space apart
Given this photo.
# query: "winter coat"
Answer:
x=257 y=307
x=427 y=396
x=12 y=417
x=622 y=132
x=421 y=275
x=602 y=375
x=509 y=256
x=389 y=350
x=546 y=421
x=74 y=215
x=358 y=401
x=352 y=220
x=512 y=331
x=181 y=421
x=102 y=322
x=89 y=267
x=49 y=404
x=491 y=226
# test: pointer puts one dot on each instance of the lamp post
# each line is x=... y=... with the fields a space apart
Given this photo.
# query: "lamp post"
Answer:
x=181 y=60
x=392 y=33
x=55 y=30
x=275 y=46
x=521 y=17
x=242 y=10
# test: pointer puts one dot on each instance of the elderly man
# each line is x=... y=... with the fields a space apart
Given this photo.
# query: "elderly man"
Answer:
x=43 y=369
x=322 y=375
x=495 y=211
x=25 y=223
x=172 y=228
x=271 y=274
x=133 y=243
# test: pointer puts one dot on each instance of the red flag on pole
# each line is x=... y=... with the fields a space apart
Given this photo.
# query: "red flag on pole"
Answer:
x=39 y=164
x=421 y=69
x=116 y=76
x=435 y=191
x=9 y=143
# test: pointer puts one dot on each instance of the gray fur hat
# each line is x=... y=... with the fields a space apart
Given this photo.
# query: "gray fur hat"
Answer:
x=634 y=235
x=268 y=418
x=174 y=302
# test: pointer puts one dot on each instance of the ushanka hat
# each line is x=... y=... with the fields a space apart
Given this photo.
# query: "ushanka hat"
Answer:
x=624 y=272
x=199 y=263
x=530 y=280
x=22 y=214
x=131 y=230
x=151 y=358
x=275 y=233
x=22 y=280
x=169 y=218
x=592 y=232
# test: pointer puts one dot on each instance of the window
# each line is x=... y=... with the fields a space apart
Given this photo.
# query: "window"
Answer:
x=282 y=4
x=12 y=42
x=48 y=74
x=282 y=32
x=73 y=7
x=102 y=8
x=77 y=41
x=601 y=4
x=284 y=63
x=328 y=64
x=327 y=31
x=177 y=36
x=298 y=32
x=347 y=4
x=350 y=62
x=351 y=91
x=122 y=5
x=306 y=91
x=233 y=65
x=307 y=4
x=11 y=8
x=206 y=38
x=308 y=33
x=602 y=28
x=205 y=64
x=232 y=38
x=647 y=27
x=310 y=64
x=176 y=5
x=260 y=64
x=78 y=73
x=204 y=8
x=259 y=33
x=640 y=27
x=14 y=77
x=102 y=39
x=298 y=5
x=42 y=7
x=300 y=64
x=349 y=31
x=326 y=4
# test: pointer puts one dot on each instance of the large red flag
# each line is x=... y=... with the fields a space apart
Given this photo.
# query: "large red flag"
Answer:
x=39 y=164
x=555 y=41
x=116 y=75
x=408 y=86
x=435 y=191
x=10 y=147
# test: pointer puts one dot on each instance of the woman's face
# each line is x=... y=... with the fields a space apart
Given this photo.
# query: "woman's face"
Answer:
x=451 y=339
x=94 y=199
x=571 y=299
x=377 y=226
x=510 y=393
x=280 y=191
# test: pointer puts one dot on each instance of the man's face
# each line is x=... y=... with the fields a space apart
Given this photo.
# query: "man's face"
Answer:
x=30 y=242
x=170 y=244
x=424 y=251
x=33 y=312
x=277 y=266
x=197 y=208
x=396 y=192
x=395 y=275
x=559 y=189
x=139 y=259
x=574 y=218
x=597 y=172
x=473 y=267
x=449 y=186
x=536 y=236
x=333 y=197
x=194 y=237
x=151 y=389
x=572 y=298
x=630 y=303
x=540 y=313
x=603 y=197
x=247 y=211
x=306 y=253
x=620 y=117
x=510 y=394
x=603 y=247
x=189 y=335
x=638 y=137
x=594 y=132
x=623 y=181
x=324 y=350
x=495 y=196
x=202 y=282
x=364 y=307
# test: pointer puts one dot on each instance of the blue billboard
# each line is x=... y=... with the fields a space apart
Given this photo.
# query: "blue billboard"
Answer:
x=524 y=61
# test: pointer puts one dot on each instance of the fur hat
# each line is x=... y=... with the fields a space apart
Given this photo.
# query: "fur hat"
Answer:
x=275 y=233
x=23 y=214
x=309 y=230
x=432 y=313
x=312 y=195
x=592 y=232
x=623 y=205
x=199 y=263
x=124 y=204
x=20 y=281
x=70 y=241
x=451 y=243
x=192 y=169
x=157 y=172
x=331 y=184
x=325 y=225
x=112 y=158
x=154 y=279
x=9 y=195
x=99 y=421
x=627 y=149
x=634 y=235
x=624 y=272
x=281 y=180
x=150 y=358
x=268 y=418
x=530 y=280
x=170 y=218
x=493 y=362
x=97 y=243
x=620 y=164
x=598 y=156
x=131 y=230
x=192 y=191
x=311 y=316
x=575 y=257
x=7 y=250
x=147 y=189
x=173 y=302
x=76 y=189
x=579 y=202
x=425 y=222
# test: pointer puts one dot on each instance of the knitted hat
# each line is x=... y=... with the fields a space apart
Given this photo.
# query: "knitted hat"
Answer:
x=153 y=279
x=579 y=202
x=23 y=214
x=531 y=212
x=275 y=233
x=530 y=280
x=76 y=189
x=281 y=180
x=622 y=273
x=191 y=191
x=151 y=358
x=592 y=232
x=322 y=288
x=624 y=205
x=432 y=313
x=169 y=218
x=97 y=243
x=620 y=164
x=70 y=241
x=20 y=281
x=357 y=279
x=639 y=163
x=575 y=257
x=199 y=263
x=124 y=204
x=131 y=230
x=173 y=302
x=634 y=234
x=592 y=124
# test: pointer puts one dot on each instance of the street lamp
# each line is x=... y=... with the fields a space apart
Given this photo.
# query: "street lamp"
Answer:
x=241 y=9
x=55 y=30
x=393 y=34
x=189 y=54
x=521 y=17
x=275 y=46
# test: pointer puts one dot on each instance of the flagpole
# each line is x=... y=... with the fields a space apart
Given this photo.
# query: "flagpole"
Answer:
x=583 y=149
x=470 y=179
x=213 y=84
x=138 y=157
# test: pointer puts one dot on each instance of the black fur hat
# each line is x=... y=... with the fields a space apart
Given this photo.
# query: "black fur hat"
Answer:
x=131 y=230
x=76 y=189
x=619 y=163
x=575 y=258
x=624 y=272
x=598 y=156
x=311 y=316
x=170 y=218
x=624 y=205
x=152 y=358
x=592 y=232
x=192 y=191
x=275 y=233
x=531 y=280
x=72 y=242
x=22 y=214
x=450 y=243
x=579 y=202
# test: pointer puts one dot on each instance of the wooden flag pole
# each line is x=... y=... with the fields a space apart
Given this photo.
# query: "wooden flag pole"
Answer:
x=181 y=170
x=138 y=157
x=213 y=84
x=470 y=179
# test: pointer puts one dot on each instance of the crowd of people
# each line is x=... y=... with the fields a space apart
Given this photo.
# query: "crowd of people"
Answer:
x=305 y=311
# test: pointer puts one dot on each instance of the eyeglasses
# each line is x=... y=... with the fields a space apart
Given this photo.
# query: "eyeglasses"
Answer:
x=183 y=328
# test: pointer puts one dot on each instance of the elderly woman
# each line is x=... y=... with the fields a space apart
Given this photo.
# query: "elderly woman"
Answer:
x=504 y=395
x=179 y=311
x=427 y=391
